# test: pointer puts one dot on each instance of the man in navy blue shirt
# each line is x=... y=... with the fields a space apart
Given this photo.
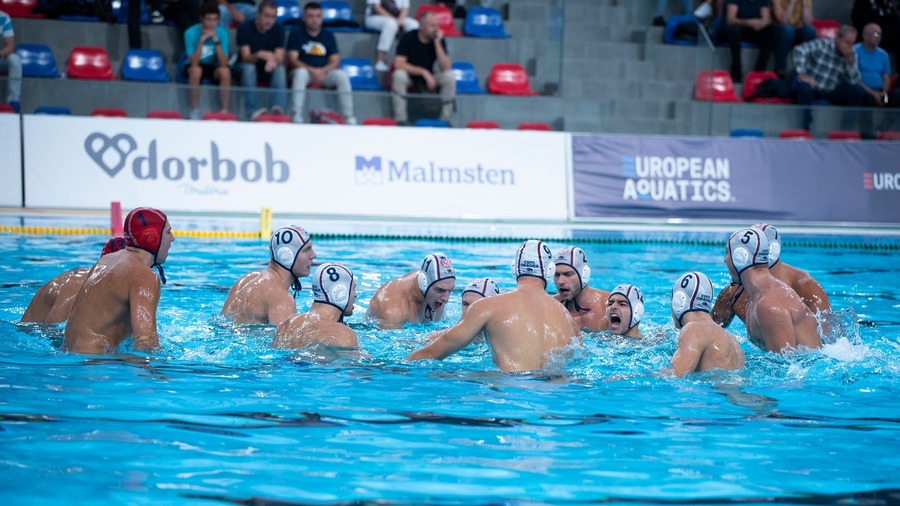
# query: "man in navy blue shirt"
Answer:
x=417 y=53
x=261 y=47
x=750 y=21
x=313 y=54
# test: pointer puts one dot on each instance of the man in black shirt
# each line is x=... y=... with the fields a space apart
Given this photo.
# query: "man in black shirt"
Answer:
x=417 y=53
x=751 y=21
x=260 y=44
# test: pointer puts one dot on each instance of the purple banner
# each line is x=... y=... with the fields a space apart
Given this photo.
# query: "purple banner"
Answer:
x=740 y=179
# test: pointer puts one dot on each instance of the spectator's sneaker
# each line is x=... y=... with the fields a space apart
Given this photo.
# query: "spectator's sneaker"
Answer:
x=276 y=110
x=298 y=118
x=703 y=11
x=402 y=122
x=351 y=120
x=380 y=66
x=157 y=17
x=15 y=105
x=195 y=114
x=659 y=21
x=257 y=113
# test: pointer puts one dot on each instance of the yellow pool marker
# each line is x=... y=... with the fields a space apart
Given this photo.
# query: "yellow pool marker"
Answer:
x=265 y=223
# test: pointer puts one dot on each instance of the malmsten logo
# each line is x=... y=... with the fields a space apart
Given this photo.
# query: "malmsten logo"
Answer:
x=112 y=154
x=374 y=170
x=881 y=181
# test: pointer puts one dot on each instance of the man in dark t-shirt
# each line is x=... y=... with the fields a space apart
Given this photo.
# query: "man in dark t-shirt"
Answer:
x=414 y=64
x=313 y=54
x=261 y=47
x=750 y=21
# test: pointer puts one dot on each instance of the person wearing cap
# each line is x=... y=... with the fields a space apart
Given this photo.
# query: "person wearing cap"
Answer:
x=478 y=289
x=120 y=296
x=525 y=327
x=776 y=317
x=264 y=296
x=418 y=296
x=732 y=300
x=702 y=344
x=624 y=310
x=52 y=302
x=334 y=292
x=587 y=304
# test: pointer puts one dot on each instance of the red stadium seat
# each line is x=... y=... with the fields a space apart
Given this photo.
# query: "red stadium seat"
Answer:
x=535 y=126
x=797 y=134
x=444 y=18
x=19 y=8
x=714 y=85
x=89 y=63
x=220 y=116
x=6 y=108
x=165 y=115
x=109 y=113
x=509 y=79
x=753 y=80
x=826 y=28
x=379 y=121
x=482 y=124
x=888 y=136
x=273 y=118
x=844 y=135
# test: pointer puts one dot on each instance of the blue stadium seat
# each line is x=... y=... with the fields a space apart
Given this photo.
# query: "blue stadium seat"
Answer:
x=361 y=72
x=429 y=122
x=53 y=110
x=144 y=65
x=672 y=23
x=747 y=132
x=484 y=22
x=37 y=60
x=466 y=78
x=288 y=11
x=338 y=17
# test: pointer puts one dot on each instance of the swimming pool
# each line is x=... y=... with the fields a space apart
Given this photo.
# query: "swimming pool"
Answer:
x=217 y=417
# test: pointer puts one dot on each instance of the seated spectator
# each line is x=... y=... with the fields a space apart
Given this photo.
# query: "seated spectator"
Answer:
x=826 y=69
x=794 y=19
x=10 y=62
x=313 y=54
x=261 y=47
x=387 y=17
x=884 y=14
x=660 y=19
x=236 y=11
x=206 y=44
x=875 y=75
x=417 y=53
x=751 y=21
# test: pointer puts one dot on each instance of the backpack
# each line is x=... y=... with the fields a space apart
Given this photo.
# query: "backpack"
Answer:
x=773 y=88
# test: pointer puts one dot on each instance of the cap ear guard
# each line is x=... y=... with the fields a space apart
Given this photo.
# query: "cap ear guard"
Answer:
x=585 y=275
x=774 y=252
x=422 y=280
x=740 y=257
x=637 y=310
x=340 y=295
x=285 y=257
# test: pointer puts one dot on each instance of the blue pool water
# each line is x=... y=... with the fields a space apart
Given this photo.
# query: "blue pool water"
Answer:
x=216 y=417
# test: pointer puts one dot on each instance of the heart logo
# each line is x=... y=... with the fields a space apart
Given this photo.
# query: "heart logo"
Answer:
x=109 y=153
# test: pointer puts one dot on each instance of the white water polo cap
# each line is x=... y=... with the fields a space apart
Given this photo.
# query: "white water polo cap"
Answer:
x=286 y=244
x=332 y=284
x=635 y=301
x=435 y=267
x=482 y=286
x=748 y=247
x=693 y=291
x=534 y=259
x=774 y=242
x=574 y=257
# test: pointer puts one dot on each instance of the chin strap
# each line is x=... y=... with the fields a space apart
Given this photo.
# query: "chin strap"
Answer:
x=296 y=287
x=162 y=274
x=429 y=313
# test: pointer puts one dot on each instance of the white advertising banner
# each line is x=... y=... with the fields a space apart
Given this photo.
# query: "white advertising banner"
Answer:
x=10 y=161
x=86 y=162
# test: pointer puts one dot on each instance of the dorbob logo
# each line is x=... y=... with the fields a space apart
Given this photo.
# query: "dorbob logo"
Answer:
x=113 y=154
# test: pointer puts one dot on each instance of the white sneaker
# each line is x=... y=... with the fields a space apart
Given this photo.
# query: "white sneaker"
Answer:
x=298 y=118
x=195 y=114
x=380 y=66
x=351 y=120
x=703 y=11
x=257 y=113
